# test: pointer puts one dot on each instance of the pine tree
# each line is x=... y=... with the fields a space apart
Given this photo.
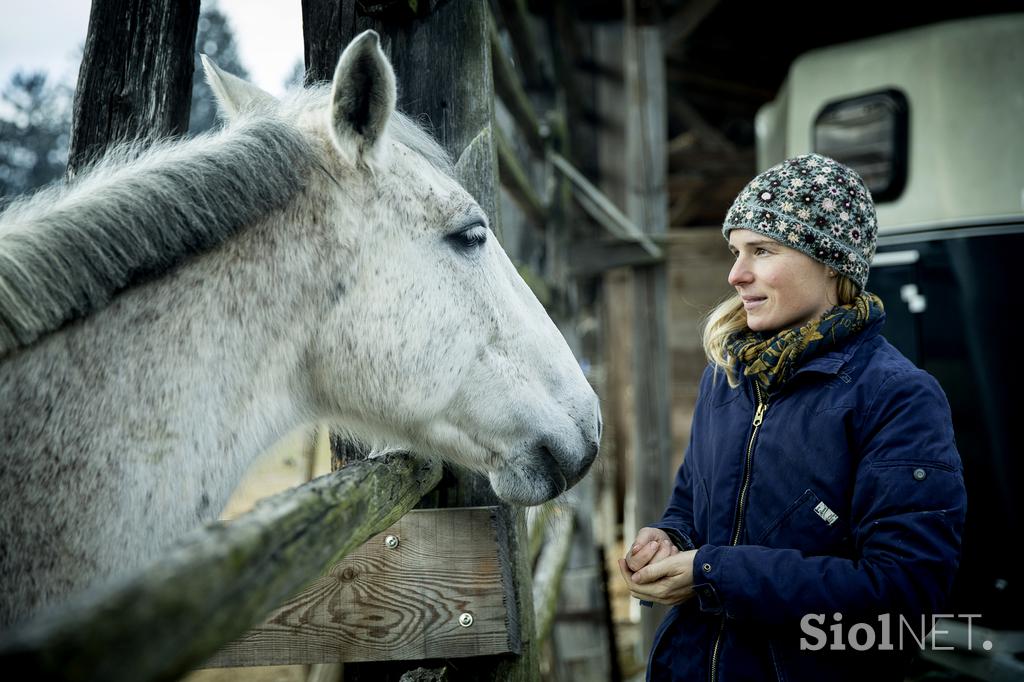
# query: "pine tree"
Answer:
x=34 y=130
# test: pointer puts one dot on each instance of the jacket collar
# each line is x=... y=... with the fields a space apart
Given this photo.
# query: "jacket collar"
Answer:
x=834 y=361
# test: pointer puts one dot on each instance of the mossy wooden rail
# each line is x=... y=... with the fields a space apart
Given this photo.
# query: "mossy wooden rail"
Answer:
x=219 y=582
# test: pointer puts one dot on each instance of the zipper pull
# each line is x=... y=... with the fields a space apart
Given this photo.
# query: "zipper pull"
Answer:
x=759 y=415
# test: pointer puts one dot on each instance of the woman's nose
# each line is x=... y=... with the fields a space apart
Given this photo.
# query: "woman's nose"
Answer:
x=740 y=273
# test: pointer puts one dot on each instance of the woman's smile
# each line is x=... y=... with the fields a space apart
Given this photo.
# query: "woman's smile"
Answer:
x=753 y=302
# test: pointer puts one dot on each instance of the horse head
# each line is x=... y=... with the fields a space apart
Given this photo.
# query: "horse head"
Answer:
x=430 y=340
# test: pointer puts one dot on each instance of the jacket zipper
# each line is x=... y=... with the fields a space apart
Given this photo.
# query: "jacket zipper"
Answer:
x=741 y=505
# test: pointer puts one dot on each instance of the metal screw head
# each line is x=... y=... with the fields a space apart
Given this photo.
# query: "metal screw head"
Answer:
x=466 y=619
x=391 y=541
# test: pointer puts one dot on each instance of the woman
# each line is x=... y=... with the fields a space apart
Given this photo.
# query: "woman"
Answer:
x=821 y=487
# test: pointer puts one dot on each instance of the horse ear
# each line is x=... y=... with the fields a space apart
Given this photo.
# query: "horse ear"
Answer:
x=232 y=93
x=362 y=96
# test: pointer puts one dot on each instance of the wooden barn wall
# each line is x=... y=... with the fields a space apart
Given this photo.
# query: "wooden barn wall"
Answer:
x=699 y=263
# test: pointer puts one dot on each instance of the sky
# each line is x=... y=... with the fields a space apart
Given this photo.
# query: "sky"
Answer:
x=48 y=35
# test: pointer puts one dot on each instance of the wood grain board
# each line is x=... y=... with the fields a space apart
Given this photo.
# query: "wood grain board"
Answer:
x=400 y=603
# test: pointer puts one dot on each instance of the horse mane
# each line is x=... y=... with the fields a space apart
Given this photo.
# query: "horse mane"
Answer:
x=66 y=251
x=140 y=210
x=410 y=133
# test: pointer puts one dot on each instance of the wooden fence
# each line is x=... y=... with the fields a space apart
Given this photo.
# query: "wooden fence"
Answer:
x=217 y=583
x=438 y=584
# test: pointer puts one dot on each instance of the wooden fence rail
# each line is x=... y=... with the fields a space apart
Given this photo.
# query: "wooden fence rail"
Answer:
x=219 y=582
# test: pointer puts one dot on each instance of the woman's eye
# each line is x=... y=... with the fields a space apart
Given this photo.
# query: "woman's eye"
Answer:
x=470 y=238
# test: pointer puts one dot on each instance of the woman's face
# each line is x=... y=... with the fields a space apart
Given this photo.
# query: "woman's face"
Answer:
x=780 y=287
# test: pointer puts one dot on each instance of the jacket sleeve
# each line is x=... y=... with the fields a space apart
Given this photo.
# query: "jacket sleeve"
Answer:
x=908 y=509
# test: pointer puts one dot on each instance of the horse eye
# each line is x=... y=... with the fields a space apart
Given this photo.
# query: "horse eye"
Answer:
x=472 y=237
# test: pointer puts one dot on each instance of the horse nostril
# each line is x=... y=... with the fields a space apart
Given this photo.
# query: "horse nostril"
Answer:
x=559 y=474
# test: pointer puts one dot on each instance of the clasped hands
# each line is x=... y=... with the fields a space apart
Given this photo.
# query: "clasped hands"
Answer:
x=656 y=570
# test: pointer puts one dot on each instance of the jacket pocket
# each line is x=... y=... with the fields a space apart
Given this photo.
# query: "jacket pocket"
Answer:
x=808 y=525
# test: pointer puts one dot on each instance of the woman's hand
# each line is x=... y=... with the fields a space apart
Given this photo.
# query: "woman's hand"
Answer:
x=651 y=544
x=667 y=581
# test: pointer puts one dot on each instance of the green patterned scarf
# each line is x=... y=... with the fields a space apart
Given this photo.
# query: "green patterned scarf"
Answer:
x=772 y=361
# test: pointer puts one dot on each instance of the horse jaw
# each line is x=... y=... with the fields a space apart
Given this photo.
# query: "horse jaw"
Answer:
x=233 y=94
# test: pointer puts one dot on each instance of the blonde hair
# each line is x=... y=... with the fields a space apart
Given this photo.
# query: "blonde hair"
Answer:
x=728 y=317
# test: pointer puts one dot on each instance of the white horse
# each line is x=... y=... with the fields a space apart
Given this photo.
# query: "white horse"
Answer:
x=172 y=313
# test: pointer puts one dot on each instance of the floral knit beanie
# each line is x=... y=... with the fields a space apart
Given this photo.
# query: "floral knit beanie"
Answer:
x=813 y=204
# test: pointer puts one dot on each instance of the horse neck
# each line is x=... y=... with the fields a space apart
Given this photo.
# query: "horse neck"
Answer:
x=254 y=319
x=214 y=352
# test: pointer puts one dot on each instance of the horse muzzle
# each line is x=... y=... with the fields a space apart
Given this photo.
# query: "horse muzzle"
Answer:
x=547 y=468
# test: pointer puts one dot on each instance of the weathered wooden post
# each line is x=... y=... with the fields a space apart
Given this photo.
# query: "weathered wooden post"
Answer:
x=647 y=206
x=135 y=81
x=440 y=51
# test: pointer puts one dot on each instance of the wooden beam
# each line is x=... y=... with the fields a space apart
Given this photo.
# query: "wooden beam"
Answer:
x=708 y=135
x=601 y=207
x=566 y=51
x=135 y=81
x=509 y=89
x=219 y=581
x=709 y=162
x=647 y=205
x=692 y=76
x=685 y=205
x=686 y=21
x=600 y=256
x=397 y=600
x=515 y=181
x=520 y=31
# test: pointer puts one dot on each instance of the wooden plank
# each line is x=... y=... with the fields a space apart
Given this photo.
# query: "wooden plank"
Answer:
x=521 y=33
x=591 y=197
x=686 y=20
x=565 y=48
x=135 y=81
x=597 y=257
x=508 y=88
x=218 y=582
x=515 y=181
x=402 y=603
x=616 y=316
x=647 y=205
x=699 y=263
x=709 y=136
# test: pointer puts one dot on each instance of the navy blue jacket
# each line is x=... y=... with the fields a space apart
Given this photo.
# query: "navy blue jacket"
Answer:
x=846 y=496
